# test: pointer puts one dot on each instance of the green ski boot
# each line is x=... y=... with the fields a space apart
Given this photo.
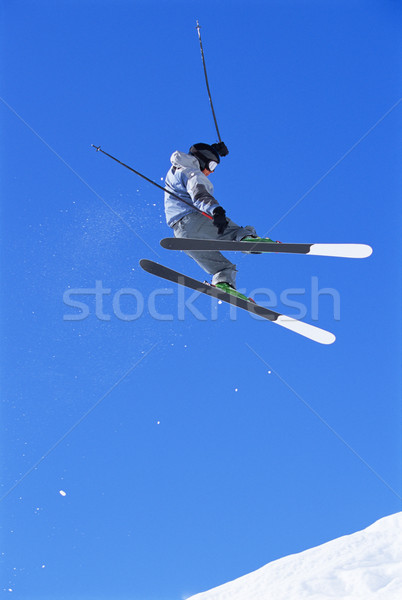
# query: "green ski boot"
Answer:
x=250 y=238
x=226 y=287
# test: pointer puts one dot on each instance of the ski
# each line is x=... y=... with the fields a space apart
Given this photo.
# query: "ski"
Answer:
x=305 y=329
x=338 y=250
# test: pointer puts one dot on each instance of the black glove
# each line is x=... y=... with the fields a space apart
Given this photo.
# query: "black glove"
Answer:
x=221 y=148
x=220 y=220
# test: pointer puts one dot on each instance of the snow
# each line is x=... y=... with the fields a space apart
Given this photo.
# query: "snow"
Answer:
x=366 y=565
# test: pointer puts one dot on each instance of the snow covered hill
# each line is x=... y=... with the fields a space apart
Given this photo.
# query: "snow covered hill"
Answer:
x=366 y=565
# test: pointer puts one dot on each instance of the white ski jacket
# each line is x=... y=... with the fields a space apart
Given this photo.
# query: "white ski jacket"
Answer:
x=187 y=181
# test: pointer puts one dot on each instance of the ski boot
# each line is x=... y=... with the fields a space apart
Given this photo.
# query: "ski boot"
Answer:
x=251 y=238
x=226 y=287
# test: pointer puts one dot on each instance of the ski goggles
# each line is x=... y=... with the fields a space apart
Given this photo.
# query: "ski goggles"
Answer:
x=212 y=165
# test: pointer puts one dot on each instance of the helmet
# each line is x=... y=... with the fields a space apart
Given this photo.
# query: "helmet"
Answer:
x=206 y=155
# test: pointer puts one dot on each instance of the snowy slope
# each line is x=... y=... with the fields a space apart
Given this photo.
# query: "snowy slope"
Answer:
x=366 y=565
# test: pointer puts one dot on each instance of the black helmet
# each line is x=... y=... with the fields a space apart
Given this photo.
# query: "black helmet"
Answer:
x=206 y=155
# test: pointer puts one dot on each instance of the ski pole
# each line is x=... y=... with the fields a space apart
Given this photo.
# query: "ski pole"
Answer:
x=99 y=149
x=206 y=81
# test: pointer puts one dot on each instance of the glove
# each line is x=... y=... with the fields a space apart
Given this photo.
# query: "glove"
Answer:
x=220 y=220
x=221 y=148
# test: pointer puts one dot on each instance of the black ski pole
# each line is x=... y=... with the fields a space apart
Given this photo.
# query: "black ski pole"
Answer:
x=99 y=149
x=206 y=81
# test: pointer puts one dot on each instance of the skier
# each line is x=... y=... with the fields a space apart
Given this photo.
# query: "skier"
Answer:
x=188 y=179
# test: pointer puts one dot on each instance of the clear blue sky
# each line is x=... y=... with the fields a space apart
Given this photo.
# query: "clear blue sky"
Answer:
x=211 y=446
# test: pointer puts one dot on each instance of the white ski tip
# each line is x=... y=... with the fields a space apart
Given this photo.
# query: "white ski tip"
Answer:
x=309 y=331
x=342 y=250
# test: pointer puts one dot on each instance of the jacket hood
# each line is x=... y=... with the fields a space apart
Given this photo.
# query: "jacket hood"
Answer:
x=184 y=161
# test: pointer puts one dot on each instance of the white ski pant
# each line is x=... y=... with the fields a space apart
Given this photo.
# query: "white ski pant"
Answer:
x=195 y=225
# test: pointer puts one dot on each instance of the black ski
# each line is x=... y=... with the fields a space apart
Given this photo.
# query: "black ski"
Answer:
x=305 y=329
x=339 y=250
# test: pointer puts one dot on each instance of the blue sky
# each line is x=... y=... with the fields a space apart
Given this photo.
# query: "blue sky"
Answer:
x=193 y=450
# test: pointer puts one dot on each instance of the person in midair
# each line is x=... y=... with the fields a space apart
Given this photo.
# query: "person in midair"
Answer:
x=188 y=179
